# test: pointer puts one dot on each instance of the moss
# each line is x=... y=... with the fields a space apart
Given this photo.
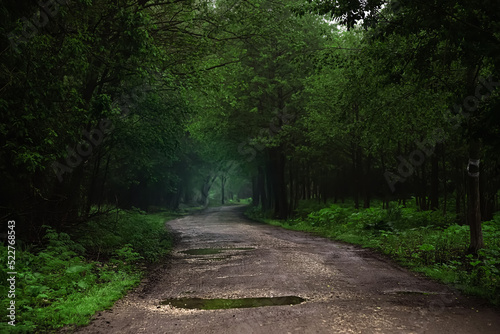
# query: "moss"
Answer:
x=216 y=304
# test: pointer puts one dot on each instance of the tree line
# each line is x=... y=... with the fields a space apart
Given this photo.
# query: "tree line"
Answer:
x=145 y=104
x=387 y=100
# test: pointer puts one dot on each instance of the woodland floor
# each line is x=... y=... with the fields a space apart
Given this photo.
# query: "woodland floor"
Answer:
x=347 y=289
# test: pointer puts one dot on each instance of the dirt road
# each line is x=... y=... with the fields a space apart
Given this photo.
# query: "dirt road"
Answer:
x=347 y=289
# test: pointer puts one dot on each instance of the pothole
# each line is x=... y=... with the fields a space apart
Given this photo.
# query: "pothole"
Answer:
x=212 y=251
x=216 y=258
x=217 y=304
x=410 y=292
x=202 y=251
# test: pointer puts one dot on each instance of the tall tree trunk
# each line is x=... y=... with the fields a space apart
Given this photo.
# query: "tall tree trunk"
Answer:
x=205 y=188
x=277 y=160
x=93 y=184
x=474 y=205
x=367 y=183
x=487 y=191
x=103 y=183
x=297 y=187
x=291 y=195
x=356 y=175
x=474 y=198
x=74 y=196
x=445 y=192
x=223 y=184
x=261 y=185
x=307 y=184
x=255 y=191
x=459 y=181
x=434 y=195
x=423 y=194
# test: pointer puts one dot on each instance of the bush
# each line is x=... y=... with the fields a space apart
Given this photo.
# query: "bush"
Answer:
x=305 y=207
x=146 y=234
x=329 y=216
x=58 y=286
x=48 y=280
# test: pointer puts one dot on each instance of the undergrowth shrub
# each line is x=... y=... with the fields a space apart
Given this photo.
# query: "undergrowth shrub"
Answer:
x=305 y=207
x=58 y=284
x=146 y=234
x=329 y=216
x=49 y=278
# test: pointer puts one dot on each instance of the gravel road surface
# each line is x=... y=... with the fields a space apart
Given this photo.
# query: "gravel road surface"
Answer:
x=347 y=289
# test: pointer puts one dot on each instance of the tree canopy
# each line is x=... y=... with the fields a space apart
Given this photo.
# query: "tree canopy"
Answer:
x=139 y=103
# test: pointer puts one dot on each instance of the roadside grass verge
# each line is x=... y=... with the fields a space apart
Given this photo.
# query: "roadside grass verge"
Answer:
x=424 y=241
x=68 y=278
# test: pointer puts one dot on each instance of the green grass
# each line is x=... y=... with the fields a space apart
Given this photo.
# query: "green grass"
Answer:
x=425 y=242
x=65 y=281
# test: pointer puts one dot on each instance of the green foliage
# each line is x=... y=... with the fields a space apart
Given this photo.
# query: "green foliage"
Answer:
x=329 y=216
x=144 y=233
x=58 y=286
x=376 y=219
x=53 y=281
x=305 y=207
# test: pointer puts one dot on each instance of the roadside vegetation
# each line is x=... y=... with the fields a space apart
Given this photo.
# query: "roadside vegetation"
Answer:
x=67 y=278
x=424 y=241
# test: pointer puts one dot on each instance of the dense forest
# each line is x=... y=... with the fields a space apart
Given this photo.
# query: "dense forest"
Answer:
x=149 y=103
x=138 y=104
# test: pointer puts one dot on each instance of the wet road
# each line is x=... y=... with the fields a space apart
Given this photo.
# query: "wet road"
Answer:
x=347 y=289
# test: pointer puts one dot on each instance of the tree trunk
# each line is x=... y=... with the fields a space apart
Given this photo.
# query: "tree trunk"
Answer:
x=367 y=183
x=206 y=188
x=445 y=192
x=434 y=195
x=291 y=195
x=459 y=181
x=474 y=203
x=255 y=191
x=356 y=175
x=277 y=160
x=261 y=186
x=223 y=183
x=423 y=193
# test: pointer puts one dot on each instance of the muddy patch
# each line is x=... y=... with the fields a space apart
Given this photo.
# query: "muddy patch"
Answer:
x=210 y=259
x=218 y=304
x=213 y=251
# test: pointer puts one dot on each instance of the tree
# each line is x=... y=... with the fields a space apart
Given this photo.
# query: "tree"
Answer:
x=461 y=32
x=81 y=96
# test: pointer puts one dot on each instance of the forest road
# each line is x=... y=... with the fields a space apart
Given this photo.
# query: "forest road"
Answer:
x=347 y=289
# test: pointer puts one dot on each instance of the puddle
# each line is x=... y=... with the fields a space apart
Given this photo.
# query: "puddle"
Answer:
x=202 y=251
x=216 y=258
x=412 y=292
x=217 y=304
x=211 y=251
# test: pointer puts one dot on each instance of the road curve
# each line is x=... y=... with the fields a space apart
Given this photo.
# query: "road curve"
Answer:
x=347 y=289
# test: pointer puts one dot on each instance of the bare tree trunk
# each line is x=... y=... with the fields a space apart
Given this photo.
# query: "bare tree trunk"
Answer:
x=367 y=182
x=277 y=160
x=476 y=233
x=255 y=191
x=434 y=195
x=223 y=184
x=261 y=186
x=445 y=193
